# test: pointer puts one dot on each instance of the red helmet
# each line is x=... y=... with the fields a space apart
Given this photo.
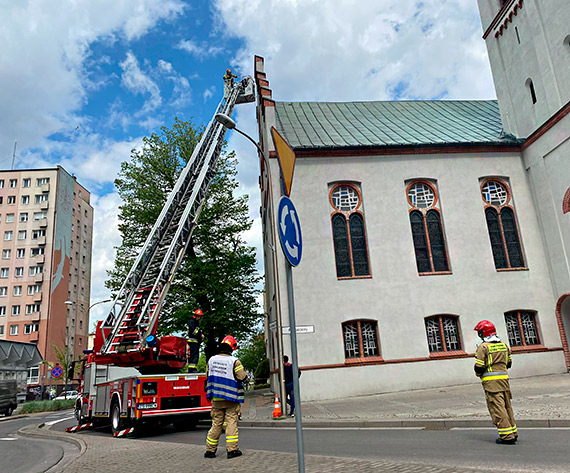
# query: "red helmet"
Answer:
x=485 y=328
x=228 y=71
x=231 y=341
x=198 y=312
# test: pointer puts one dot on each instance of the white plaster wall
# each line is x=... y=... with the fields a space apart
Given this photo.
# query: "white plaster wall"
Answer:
x=396 y=296
x=542 y=55
x=357 y=381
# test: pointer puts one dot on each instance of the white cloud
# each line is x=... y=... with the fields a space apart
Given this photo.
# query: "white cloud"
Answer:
x=200 y=51
x=334 y=51
x=44 y=49
x=209 y=93
x=135 y=80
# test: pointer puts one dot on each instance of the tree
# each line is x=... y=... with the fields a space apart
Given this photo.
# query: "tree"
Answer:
x=65 y=360
x=218 y=273
x=253 y=352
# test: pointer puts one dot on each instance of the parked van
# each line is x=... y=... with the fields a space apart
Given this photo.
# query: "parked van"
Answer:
x=8 y=396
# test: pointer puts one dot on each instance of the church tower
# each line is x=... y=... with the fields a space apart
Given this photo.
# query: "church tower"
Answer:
x=528 y=42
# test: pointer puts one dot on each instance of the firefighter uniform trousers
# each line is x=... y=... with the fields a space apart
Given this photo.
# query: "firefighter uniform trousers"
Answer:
x=194 y=356
x=499 y=405
x=223 y=411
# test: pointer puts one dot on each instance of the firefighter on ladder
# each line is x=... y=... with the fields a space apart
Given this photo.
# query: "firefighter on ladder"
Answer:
x=228 y=82
x=195 y=337
x=492 y=359
x=225 y=390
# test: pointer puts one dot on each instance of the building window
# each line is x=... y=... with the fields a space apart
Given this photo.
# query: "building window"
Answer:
x=9 y=218
x=19 y=272
x=13 y=330
x=4 y=273
x=522 y=328
x=31 y=308
x=1 y=183
x=427 y=228
x=443 y=333
x=35 y=270
x=22 y=234
x=39 y=198
x=6 y=254
x=360 y=339
x=1 y=329
x=34 y=288
x=13 y=183
x=17 y=290
x=502 y=225
x=24 y=217
x=11 y=199
x=41 y=181
x=29 y=328
x=349 y=232
x=20 y=253
x=530 y=86
x=2 y=311
x=8 y=235
x=15 y=310
x=25 y=199
x=26 y=182
x=40 y=215
x=37 y=251
x=38 y=233
x=4 y=291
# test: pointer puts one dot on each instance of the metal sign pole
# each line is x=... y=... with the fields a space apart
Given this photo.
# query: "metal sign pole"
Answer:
x=296 y=390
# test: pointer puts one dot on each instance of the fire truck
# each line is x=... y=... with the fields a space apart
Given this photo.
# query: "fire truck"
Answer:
x=132 y=378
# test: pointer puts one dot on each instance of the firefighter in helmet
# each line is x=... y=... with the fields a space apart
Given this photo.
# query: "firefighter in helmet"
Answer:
x=228 y=82
x=195 y=337
x=225 y=390
x=492 y=359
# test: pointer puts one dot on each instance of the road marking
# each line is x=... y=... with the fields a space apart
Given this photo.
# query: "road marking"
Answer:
x=52 y=422
x=8 y=438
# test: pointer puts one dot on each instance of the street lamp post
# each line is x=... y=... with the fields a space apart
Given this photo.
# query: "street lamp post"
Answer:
x=231 y=125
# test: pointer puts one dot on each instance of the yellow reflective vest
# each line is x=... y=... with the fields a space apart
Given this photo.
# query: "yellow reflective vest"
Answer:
x=494 y=357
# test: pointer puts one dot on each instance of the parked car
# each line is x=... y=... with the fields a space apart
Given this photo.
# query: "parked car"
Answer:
x=8 y=396
x=69 y=395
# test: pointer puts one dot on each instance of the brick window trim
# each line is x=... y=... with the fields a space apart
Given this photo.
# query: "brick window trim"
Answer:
x=566 y=202
x=435 y=273
x=506 y=270
x=432 y=187
x=448 y=354
x=344 y=278
x=505 y=185
x=528 y=348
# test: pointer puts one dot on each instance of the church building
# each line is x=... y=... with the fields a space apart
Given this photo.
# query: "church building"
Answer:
x=421 y=218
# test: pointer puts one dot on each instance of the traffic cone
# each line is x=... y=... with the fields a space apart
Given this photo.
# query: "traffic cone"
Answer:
x=277 y=408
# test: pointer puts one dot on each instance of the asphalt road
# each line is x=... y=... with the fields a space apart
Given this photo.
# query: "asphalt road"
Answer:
x=538 y=450
x=25 y=455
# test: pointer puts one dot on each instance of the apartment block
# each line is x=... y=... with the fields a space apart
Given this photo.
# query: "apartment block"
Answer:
x=46 y=231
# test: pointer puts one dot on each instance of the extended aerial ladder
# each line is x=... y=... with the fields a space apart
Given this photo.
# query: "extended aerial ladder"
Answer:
x=127 y=337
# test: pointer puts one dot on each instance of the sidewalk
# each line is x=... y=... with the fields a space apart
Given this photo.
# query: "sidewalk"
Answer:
x=540 y=401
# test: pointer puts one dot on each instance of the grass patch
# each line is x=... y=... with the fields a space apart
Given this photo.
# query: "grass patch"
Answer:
x=46 y=406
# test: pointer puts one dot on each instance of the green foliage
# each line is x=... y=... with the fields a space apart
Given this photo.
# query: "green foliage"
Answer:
x=262 y=372
x=65 y=360
x=218 y=273
x=45 y=406
x=253 y=352
x=201 y=366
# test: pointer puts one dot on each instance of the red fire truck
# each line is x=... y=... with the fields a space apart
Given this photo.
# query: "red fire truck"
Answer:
x=132 y=378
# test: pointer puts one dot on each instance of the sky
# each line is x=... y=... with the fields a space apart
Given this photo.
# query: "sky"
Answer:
x=83 y=81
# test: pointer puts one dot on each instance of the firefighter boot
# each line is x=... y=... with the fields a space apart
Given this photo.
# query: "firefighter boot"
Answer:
x=501 y=441
x=235 y=453
x=209 y=454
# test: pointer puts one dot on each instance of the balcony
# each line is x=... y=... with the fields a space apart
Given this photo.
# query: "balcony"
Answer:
x=39 y=277
x=39 y=224
x=44 y=187
x=41 y=241
x=35 y=317
x=37 y=297
x=34 y=337
x=40 y=259
x=44 y=205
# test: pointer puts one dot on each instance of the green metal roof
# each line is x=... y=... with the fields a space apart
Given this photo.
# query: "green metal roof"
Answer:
x=389 y=124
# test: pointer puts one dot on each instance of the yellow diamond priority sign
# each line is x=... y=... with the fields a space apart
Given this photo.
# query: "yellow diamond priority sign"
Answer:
x=286 y=157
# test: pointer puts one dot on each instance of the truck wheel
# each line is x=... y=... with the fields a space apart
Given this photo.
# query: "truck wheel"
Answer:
x=117 y=423
x=78 y=415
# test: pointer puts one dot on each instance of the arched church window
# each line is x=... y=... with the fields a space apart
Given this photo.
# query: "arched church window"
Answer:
x=427 y=228
x=502 y=225
x=566 y=202
x=349 y=232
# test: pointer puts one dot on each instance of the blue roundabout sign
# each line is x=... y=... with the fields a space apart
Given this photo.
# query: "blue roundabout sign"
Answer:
x=289 y=231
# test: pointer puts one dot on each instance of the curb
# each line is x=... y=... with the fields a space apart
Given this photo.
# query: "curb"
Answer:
x=42 y=431
x=17 y=416
x=426 y=424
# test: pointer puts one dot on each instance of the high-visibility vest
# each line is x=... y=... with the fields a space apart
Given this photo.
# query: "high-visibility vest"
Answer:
x=221 y=381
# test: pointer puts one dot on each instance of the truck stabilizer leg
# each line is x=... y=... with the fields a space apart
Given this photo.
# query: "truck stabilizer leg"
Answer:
x=79 y=427
x=124 y=432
